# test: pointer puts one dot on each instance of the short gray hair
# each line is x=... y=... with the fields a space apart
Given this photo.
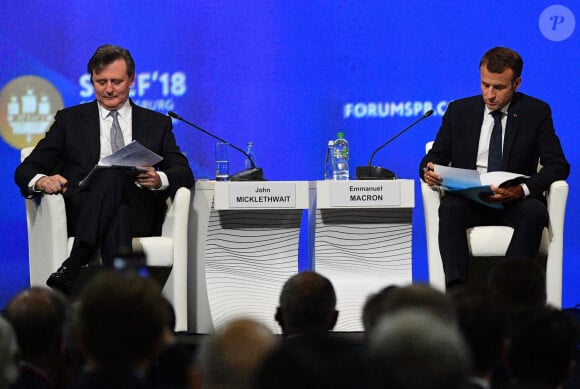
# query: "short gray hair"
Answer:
x=413 y=348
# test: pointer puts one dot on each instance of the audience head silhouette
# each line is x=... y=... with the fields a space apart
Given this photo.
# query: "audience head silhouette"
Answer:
x=313 y=361
x=375 y=306
x=415 y=348
x=121 y=318
x=231 y=356
x=307 y=305
x=543 y=347
x=37 y=316
x=392 y=299
x=517 y=283
x=172 y=367
x=484 y=328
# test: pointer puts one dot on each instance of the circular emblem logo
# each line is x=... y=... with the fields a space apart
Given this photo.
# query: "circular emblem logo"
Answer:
x=27 y=108
x=557 y=23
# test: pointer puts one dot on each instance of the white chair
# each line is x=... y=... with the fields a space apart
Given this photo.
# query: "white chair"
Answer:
x=493 y=241
x=49 y=244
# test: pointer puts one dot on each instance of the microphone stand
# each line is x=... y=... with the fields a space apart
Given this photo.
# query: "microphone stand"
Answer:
x=253 y=174
x=370 y=172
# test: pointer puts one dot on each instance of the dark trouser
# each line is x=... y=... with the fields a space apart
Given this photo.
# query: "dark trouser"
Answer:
x=108 y=214
x=527 y=216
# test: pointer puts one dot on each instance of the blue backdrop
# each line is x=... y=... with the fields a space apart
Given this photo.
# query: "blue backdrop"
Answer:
x=286 y=75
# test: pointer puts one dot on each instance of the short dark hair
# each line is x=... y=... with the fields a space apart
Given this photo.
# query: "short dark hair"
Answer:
x=37 y=315
x=121 y=318
x=543 y=345
x=106 y=55
x=375 y=306
x=498 y=59
x=517 y=283
x=483 y=325
x=417 y=348
x=308 y=302
x=418 y=295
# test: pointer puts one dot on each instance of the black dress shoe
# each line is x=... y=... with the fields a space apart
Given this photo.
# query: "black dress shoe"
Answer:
x=62 y=280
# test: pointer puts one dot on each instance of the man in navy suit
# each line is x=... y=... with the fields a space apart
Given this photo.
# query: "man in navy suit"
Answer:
x=463 y=141
x=115 y=206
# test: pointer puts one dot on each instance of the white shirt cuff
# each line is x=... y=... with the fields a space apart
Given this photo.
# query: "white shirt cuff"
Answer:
x=33 y=182
x=164 y=181
x=526 y=190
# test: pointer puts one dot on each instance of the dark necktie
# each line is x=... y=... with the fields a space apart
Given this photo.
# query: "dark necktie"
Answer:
x=495 y=158
x=117 y=141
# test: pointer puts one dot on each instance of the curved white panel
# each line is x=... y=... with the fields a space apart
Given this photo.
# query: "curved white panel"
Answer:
x=362 y=251
x=249 y=255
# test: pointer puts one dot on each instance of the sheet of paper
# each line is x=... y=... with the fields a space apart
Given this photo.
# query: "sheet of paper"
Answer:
x=133 y=154
x=133 y=171
x=497 y=178
x=456 y=178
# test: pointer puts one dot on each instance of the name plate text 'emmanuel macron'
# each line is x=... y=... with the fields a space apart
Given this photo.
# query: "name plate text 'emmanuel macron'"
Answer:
x=262 y=194
x=365 y=193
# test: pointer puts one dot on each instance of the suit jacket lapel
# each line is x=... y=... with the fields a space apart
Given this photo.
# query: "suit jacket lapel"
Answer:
x=90 y=122
x=140 y=128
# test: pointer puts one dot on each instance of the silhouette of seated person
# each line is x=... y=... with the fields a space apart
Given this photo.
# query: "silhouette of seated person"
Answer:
x=307 y=305
x=313 y=361
x=231 y=357
x=485 y=329
x=374 y=307
x=517 y=283
x=38 y=316
x=121 y=319
x=172 y=367
x=543 y=348
x=394 y=298
x=415 y=348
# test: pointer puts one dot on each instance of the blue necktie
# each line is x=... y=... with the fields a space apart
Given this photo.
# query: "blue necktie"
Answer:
x=117 y=141
x=495 y=158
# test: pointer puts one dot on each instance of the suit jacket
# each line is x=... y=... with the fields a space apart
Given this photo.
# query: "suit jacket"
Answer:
x=529 y=137
x=72 y=147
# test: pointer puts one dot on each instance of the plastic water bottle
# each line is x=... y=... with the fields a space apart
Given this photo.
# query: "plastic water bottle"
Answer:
x=340 y=163
x=250 y=152
x=328 y=161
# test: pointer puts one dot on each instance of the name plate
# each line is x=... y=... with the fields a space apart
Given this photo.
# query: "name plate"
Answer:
x=262 y=194
x=365 y=193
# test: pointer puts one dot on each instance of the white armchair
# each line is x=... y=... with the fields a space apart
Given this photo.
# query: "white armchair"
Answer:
x=491 y=241
x=49 y=244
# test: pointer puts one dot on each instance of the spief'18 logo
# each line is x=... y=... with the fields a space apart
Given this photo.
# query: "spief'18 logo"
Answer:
x=27 y=108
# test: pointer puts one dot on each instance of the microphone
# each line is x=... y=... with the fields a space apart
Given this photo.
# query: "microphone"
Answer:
x=252 y=174
x=370 y=172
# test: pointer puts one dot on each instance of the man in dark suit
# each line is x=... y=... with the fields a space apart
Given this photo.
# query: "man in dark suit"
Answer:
x=307 y=306
x=38 y=316
x=115 y=206
x=526 y=136
x=120 y=322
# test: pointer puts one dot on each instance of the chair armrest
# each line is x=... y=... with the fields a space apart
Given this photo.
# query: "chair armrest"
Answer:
x=556 y=197
x=431 y=201
x=47 y=236
x=175 y=226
